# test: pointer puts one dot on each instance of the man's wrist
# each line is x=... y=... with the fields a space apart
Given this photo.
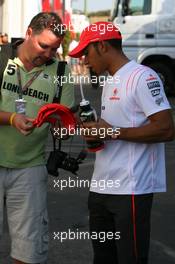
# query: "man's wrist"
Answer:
x=115 y=132
x=112 y=133
x=12 y=116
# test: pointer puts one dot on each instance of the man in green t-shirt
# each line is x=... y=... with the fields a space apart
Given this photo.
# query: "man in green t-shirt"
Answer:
x=28 y=83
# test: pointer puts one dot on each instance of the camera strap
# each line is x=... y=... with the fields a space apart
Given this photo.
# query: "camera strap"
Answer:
x=60 y=72
x=54 y=139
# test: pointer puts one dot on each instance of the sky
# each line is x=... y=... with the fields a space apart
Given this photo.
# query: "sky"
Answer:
x=92 y=5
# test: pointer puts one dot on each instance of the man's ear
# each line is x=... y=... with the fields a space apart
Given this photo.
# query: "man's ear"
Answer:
x=29 y=32
x=103 y=47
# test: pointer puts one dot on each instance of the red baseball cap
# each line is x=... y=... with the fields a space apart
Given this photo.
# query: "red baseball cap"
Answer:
x=95 y=32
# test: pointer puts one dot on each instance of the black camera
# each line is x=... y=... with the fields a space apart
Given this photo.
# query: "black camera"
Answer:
x=60 y=159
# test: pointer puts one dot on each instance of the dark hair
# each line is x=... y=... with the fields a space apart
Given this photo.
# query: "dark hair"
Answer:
x=115 y=43
x=47 y=20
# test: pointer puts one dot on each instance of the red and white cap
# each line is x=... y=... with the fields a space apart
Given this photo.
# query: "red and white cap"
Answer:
x=95 y=32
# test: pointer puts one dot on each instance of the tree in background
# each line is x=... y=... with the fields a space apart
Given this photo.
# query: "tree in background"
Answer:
x=66 y=42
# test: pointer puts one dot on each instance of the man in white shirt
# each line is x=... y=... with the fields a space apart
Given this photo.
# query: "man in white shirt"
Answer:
x=131 y=166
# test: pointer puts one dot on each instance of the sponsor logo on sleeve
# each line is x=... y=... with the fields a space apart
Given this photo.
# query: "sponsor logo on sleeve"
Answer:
x=151 y=78
x=154 y=84
x=155 y=92
x=159 y=100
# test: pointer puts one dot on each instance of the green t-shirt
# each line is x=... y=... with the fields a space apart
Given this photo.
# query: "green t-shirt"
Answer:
x=17 y=150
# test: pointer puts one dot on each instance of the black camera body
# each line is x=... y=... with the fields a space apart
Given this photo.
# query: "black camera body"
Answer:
x=60 y=159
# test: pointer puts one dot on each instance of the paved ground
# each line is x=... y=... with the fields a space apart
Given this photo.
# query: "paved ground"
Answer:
x=68 y=210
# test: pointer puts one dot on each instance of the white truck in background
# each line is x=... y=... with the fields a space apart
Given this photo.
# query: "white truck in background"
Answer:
x=148 y=30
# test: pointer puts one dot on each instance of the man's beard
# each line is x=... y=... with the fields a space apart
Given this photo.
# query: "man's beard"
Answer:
x=38 y=61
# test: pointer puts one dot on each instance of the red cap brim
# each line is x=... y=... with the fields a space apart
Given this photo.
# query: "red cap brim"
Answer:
x=78 y=51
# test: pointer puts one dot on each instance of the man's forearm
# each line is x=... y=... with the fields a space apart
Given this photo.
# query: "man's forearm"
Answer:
x=5 y=118
x=159 y=129
x=147 y=134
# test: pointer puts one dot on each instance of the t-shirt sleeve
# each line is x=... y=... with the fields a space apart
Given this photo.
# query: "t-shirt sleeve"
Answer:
x=150 y=94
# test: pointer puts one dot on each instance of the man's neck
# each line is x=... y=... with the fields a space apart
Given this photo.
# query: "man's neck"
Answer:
x=22 y=56
x=116 y=64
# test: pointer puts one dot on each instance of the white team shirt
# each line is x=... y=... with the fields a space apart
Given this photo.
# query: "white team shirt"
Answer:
x=125 y=167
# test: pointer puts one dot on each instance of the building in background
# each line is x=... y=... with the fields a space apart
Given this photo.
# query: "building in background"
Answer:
x=79 y=21
x=61 y=7
x=16 y=15
x=1 y=2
